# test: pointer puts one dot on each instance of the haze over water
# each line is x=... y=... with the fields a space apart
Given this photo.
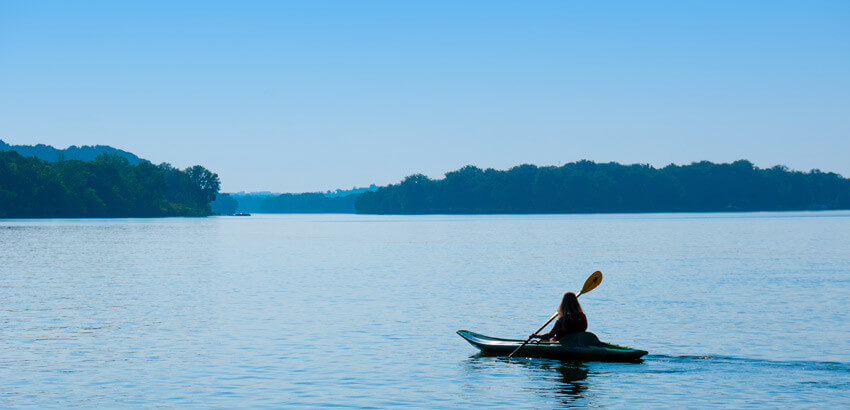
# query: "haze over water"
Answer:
x=350 y=310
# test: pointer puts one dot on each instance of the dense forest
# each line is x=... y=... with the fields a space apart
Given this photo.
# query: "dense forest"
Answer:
x=83 y=153
x=586 y=187
x=109 y=186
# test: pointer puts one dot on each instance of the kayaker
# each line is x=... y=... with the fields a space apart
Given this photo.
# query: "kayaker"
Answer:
x=571 y=319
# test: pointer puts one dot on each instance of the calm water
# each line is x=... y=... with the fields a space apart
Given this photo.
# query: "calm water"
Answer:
x=346 y=310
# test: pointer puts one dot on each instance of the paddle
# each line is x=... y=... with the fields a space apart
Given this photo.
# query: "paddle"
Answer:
x=591 y=283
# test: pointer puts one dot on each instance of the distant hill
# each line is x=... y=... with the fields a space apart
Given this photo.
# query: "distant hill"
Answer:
x=589 y=187
x=347 y=192
x=224 y=204
x=250 y=202
x=258 y=193
x=308 y=203
x=84 y=153
x=305 y=203
x=337 y=201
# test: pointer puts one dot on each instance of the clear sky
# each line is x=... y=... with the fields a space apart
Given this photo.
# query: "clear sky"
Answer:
x=316 y=95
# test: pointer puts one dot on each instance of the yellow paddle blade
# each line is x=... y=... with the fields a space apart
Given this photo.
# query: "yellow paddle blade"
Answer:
x=592 y=282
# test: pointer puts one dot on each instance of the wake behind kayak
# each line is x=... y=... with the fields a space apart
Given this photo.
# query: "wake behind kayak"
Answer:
x=581 y=346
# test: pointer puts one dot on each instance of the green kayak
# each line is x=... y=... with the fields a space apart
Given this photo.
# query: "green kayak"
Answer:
x=582 y=346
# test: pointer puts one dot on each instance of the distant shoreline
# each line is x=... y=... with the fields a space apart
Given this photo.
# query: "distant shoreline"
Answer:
x=809 y=211
x=588 y=187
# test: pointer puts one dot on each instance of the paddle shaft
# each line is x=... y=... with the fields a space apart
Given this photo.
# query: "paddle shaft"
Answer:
x=538 y=331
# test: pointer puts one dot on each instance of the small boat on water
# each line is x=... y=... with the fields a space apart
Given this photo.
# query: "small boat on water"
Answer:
x=581 y=346
x=241 y=214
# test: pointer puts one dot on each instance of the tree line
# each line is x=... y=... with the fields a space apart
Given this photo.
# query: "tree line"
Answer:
x=109 y=186
x=305 y=203
x=589 y=187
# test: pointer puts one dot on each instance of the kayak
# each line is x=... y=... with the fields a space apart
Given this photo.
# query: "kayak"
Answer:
x=581 y=346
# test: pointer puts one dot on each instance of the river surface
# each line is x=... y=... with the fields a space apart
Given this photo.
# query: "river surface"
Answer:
x=736 y=310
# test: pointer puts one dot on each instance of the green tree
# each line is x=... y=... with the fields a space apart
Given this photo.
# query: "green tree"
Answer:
x=109 y=186
x=204 y=182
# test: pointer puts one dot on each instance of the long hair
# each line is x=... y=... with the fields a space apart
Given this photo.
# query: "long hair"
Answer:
x=569 y=305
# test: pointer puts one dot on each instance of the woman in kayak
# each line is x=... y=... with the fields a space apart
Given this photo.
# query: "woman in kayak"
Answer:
x=571 y=319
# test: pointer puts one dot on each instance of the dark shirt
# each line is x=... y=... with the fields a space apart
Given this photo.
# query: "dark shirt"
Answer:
x=571 y=323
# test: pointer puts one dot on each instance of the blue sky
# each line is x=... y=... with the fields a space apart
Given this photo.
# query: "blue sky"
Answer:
x=316 y=95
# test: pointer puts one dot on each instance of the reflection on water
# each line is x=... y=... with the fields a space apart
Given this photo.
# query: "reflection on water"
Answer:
x=570 y=379
x=566 y=382
x=572 y=385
